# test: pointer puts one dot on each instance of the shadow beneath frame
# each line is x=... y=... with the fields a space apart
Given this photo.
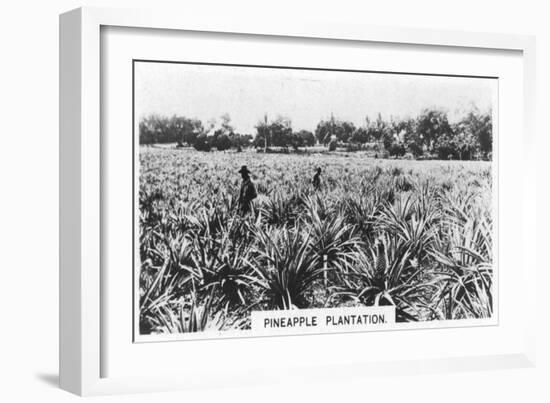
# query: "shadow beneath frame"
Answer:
x=49 y=379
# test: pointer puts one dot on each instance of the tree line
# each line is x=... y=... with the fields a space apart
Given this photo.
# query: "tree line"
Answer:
x=429 y=135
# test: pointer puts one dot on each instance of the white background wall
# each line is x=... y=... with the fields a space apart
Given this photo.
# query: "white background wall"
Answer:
x=29 y=201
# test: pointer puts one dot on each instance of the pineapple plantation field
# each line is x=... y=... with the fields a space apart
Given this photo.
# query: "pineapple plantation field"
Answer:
x=413 y=234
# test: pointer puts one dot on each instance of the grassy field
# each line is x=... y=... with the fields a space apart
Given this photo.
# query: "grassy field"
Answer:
x=413 y=234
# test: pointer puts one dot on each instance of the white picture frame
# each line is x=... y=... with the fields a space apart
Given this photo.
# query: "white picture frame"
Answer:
x=81 y=305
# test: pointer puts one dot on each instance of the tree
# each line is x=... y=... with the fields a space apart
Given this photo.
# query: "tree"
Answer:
x=240 y=141
x=413 y=143
x=432 y=125
x=447 y=147
x=323 y=132
x=275 y=134
x=342 y=130
x=307 y=139
x=146 y=133
x=485 y=134
x=407 y=134
x=388 y=138
x=397 y=149
x=262 y=138
x=155 y=129
x=202 y=143
x=395 y=134
x=477 y=130
x=220 y=140
x=169 y=131
x=177 y=129
x=378 y=129
x=360 y=136
x=281 y=132
x=186 y=130
x=226 y=124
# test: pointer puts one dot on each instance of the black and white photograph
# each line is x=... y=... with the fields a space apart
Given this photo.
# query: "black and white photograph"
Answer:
x=274 y=200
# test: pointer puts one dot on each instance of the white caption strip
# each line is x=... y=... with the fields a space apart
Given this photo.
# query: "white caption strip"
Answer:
x=323 y=320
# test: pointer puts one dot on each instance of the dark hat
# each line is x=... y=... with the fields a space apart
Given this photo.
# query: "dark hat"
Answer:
x=244 y=169
x=318 y=169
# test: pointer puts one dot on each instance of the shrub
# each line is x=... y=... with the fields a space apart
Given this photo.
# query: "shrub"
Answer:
x=397 y=150
x=286 y=266
x=417 y=236
x=202 y=143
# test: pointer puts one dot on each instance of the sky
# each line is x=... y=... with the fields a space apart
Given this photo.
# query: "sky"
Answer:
x=247 y=94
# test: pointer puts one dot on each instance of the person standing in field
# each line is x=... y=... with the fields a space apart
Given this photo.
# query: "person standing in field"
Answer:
x=248 y=191
x=317 y=180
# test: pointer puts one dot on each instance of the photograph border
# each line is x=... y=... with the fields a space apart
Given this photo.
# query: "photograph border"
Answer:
x=224 y=335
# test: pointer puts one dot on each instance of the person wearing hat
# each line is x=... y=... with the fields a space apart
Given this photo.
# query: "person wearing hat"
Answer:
x=317 y=180
x=248 y=191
